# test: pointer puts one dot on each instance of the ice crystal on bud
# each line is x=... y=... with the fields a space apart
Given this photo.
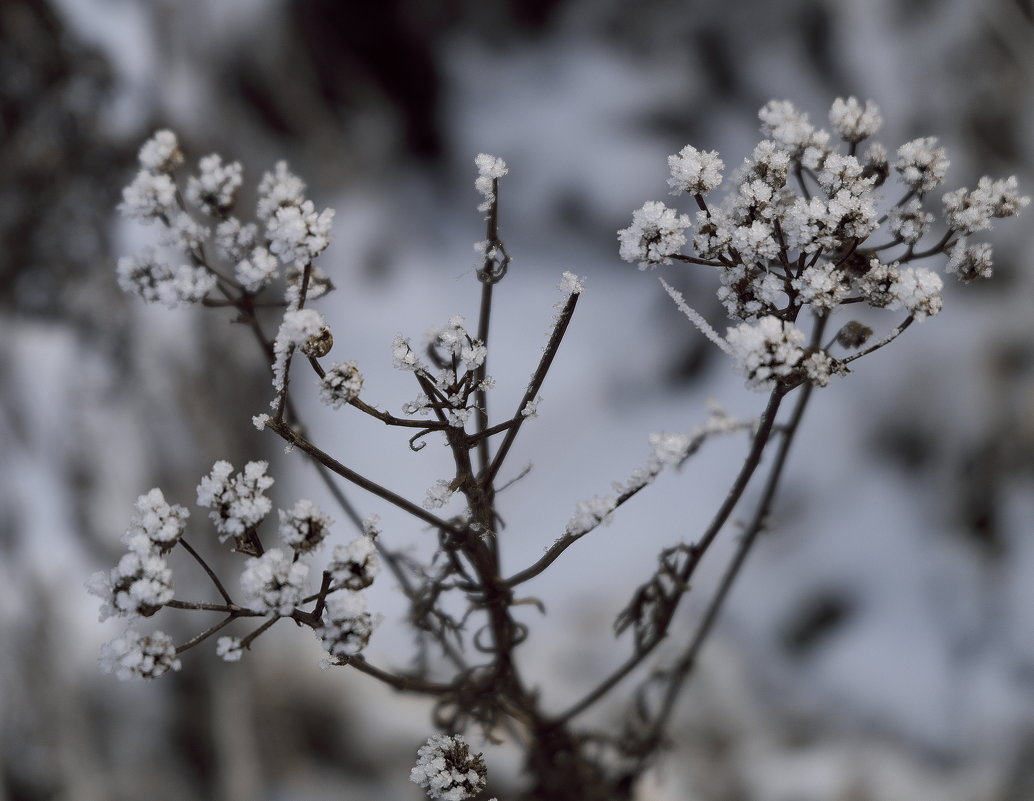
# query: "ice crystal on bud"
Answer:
x=447 y=770
x=694 y=171
x=572 y=284
x=149 y=197
x=304 y=526
x=237 y=500
x=655 y=235
x=355 y=565
x=490 y=169
x=137 y=656
x=347 y=625
x=439 y=494
x=341 y=384
x=229 y=649
x=766 y=351
x=922 y=164
x=161 y=153
x=274 y=582
x=852 y=122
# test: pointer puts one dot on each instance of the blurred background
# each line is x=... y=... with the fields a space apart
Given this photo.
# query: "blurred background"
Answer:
x=880 y=644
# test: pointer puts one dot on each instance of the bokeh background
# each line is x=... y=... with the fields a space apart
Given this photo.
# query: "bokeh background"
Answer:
x=880 y=645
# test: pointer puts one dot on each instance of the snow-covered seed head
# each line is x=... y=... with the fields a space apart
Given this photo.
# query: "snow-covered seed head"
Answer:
x=137 y=656
x=341 y=384
x=354 y=566
x=446 y=769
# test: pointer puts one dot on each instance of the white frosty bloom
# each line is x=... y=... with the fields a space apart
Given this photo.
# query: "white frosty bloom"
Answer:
x=137 y=656
x=156 y=282
x=821 y=285
x=274 y=582
x=341 y=384
x=355 y=565
x=184 y=233
x=161 y=153
x=150 y=196
x=694 y=171
x=233 y=239
x=296 y=329
x=755 y=242
x=161 y=523
x=590 y=513
x=843 y=172
x=490 y=168
x=909 y=222
x=878 y=285
x=818 y=366
x=404 y=357
x=766 y=350
x=922 y=164
x=256 y=271
x=531 y=408
x=214 y=189
x=138 y=586
x=656 y=234
x=919 y=291
x=782 y=122
x=297 y=234
x=447 y=770
x=304 y=527
x=229 y=649
x=768 y=164
x=970 y=261
x=237 y=501
x=970 y=211
x=279 y=188
x=347 y=625
x=852 y=122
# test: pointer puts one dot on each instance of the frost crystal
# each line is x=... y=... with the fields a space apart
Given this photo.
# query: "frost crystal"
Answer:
x=136 y=656
x=257 y=271
x=655 y=235
x=490 y=168
x=237 y=500
x=149 y=197
x=439 y=494
x=970 y=262
x=572 y=284
x=304 y=526
x=347 y=625
x=694 y=171
x=279 y=188
x=341 y=385
x=355 y=565
x=155 y=282
x=447 y=770
x=274 y=582
x=919 y=291
x=297 y=233
x=590 y=513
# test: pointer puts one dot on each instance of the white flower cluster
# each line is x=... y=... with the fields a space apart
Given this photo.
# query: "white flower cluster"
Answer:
x=341 y=384
x=447 y=770
x=304 y=526
x=155 y=281
x=237 y=500
x=490 y=169
x=274 y=582
x=139 y=656
x=783 y=245
x=347 y=625
x=141 y=583
x=354 y=566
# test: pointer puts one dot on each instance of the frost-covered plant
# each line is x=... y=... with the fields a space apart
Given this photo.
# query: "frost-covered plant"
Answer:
x=803 y=235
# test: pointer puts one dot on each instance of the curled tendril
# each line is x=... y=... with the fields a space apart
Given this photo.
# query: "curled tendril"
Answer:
x=417 y=446
x=496 y=265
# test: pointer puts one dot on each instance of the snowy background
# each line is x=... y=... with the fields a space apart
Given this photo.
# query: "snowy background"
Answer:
x=880 y=645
